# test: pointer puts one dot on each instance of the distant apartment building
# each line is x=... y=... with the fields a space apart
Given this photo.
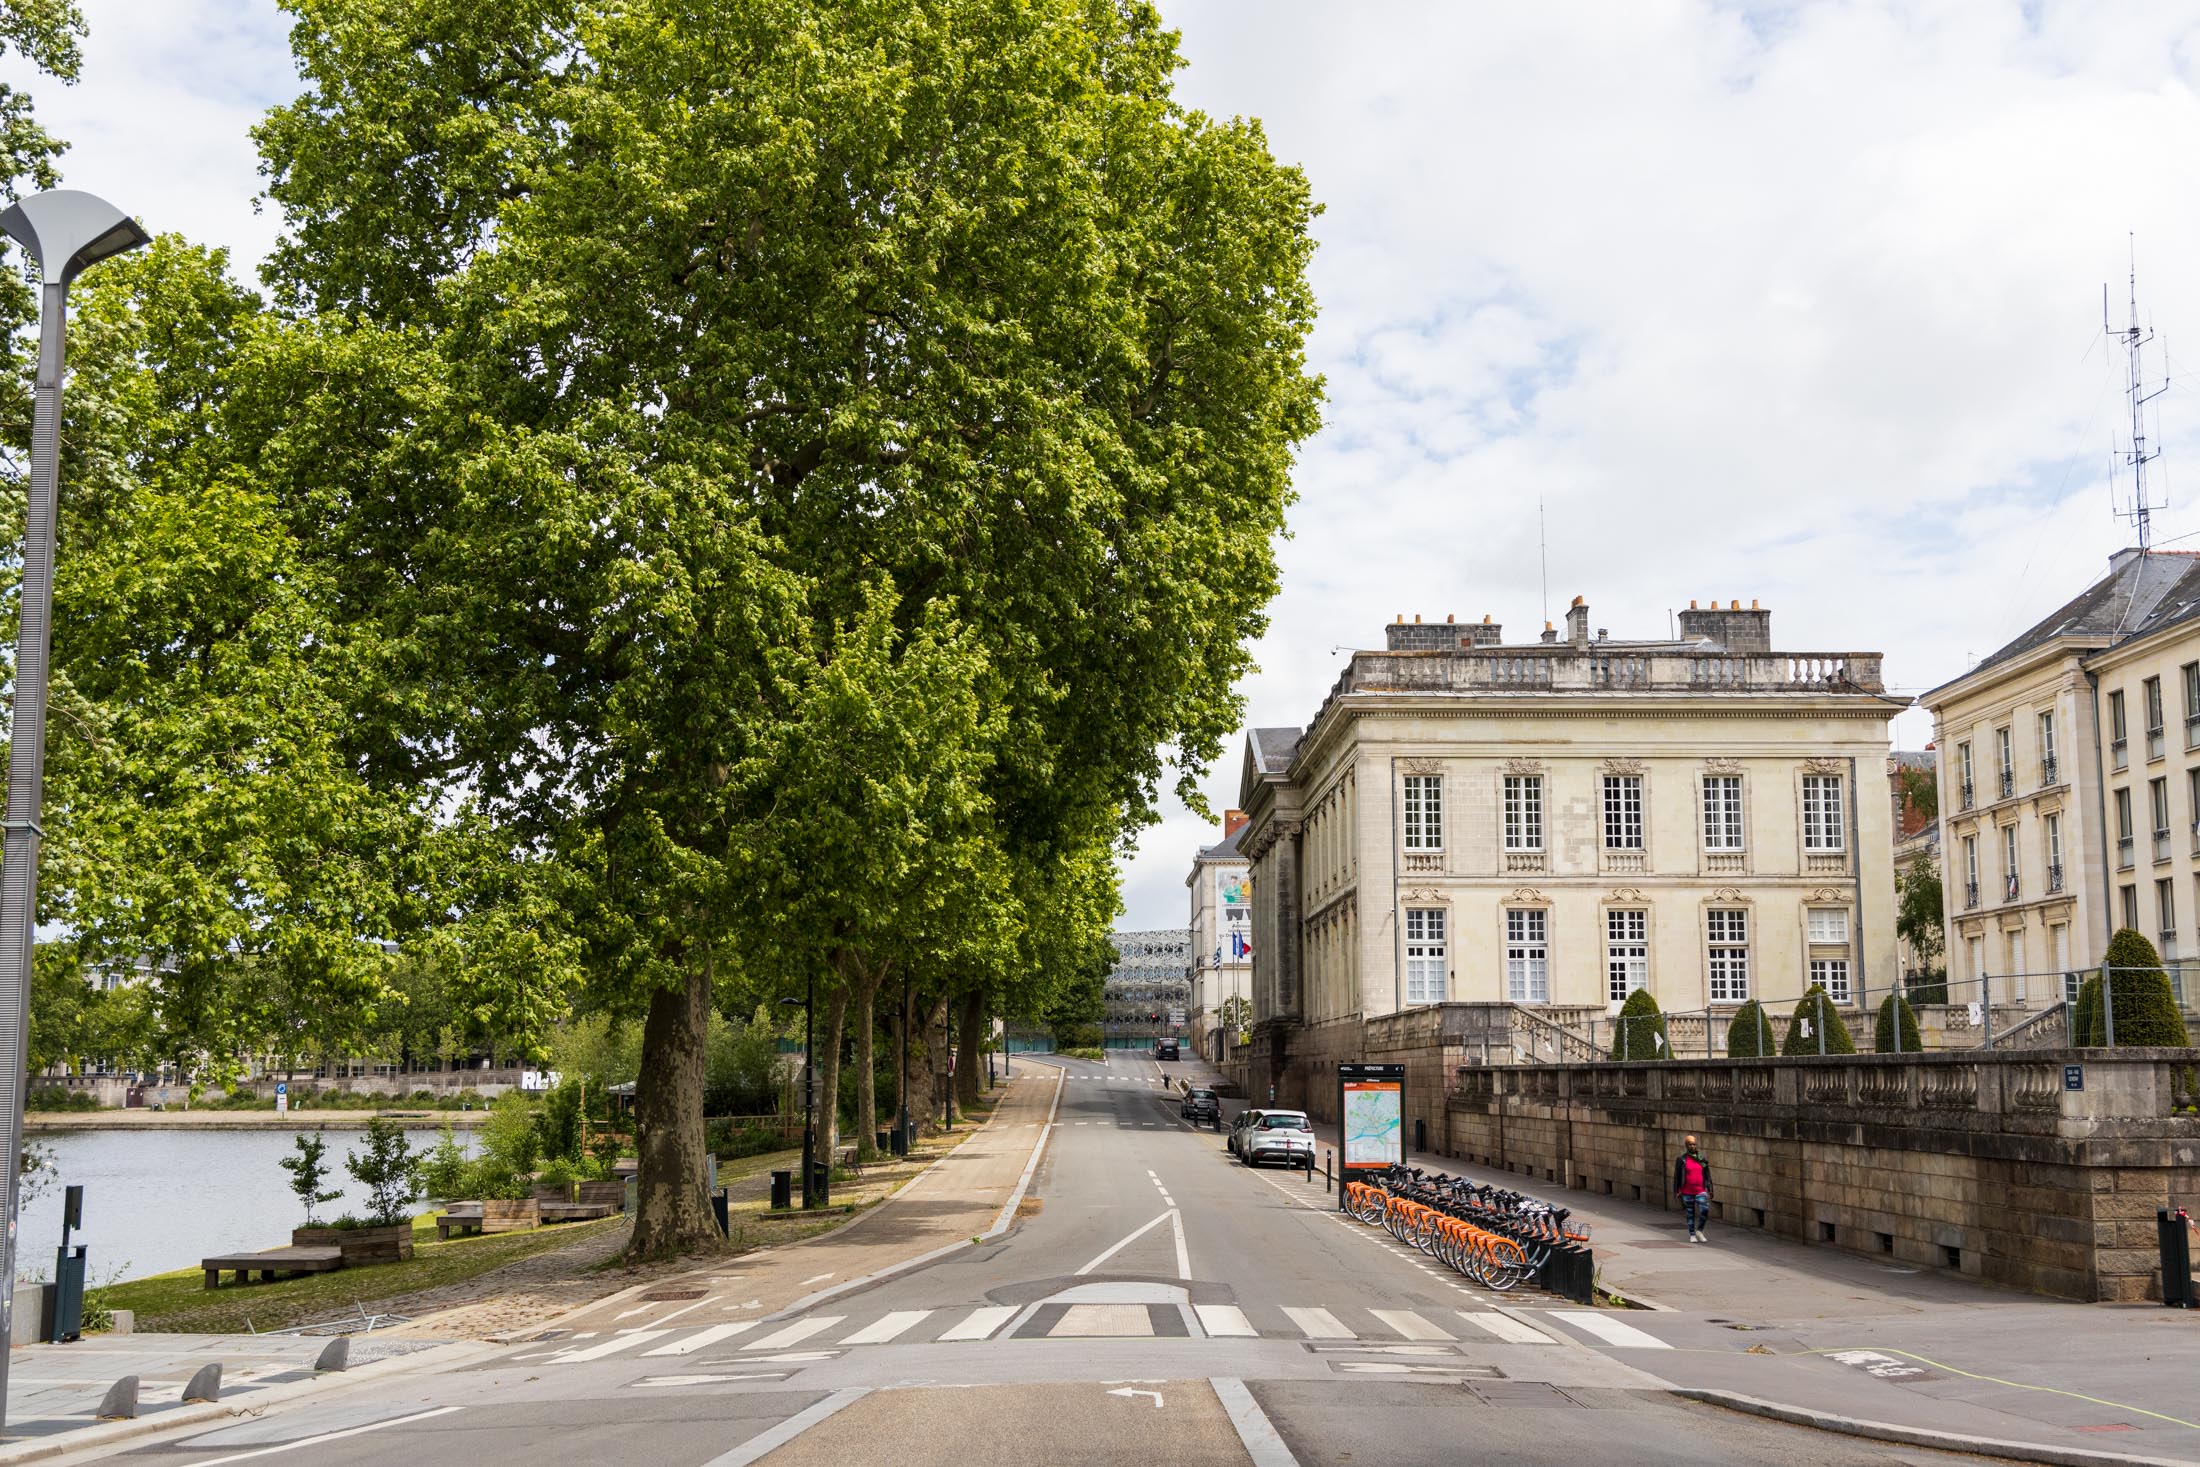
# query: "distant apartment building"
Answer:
x=1148 y=991
x=1552 y=825
x=2070 y=786
x=1221 y=887
x=1916 y=839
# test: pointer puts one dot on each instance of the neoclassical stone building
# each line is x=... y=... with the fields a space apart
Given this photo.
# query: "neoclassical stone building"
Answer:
x=1552 y=825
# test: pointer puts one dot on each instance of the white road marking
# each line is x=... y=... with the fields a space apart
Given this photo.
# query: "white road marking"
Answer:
x=796 y=1333
x=1410 y=1325
x=330 y=1436
x=1507 y=1328
x=683 y=1309
x=1225 y=1321
x=1611 y=1331
x=1183 y=1255
x=879 y=1331
x=818 y=1280
x=611 y=1346
x=1319 y=1324
x=1131 y=1393
x=1118 y=1247
x=980 y=1323
x=681 y=1380
x=1255 y=1432
x=703 y=1338
x=757 y=1447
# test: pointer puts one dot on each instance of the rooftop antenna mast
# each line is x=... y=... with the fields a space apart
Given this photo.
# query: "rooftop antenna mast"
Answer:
x=2136 y=454
x=1543 y=543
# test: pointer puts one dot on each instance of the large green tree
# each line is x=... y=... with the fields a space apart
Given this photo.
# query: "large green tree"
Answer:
x=733 y=315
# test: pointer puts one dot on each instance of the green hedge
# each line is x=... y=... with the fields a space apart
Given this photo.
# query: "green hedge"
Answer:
x=2145 y=1007
x=1749 y=1033
x=1641 y=1030
x=1828 y=1035
x=2086 y=1023
x=1884 y=1031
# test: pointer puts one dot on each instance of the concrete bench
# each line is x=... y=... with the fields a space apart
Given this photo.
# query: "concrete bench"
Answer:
x=271 y=1264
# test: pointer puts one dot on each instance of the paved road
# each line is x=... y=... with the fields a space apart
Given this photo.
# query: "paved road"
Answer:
x=1158 y=1303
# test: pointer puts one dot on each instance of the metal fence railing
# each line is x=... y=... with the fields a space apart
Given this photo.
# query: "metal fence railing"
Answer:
x=2034 y=1010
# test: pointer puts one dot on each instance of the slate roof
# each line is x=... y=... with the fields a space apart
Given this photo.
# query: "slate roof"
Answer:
x=1273 y=748
x=1225 y=849
x=2143 y=594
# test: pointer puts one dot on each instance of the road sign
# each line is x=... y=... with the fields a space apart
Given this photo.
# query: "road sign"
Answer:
x=282 y=1097
x=2073 y=1077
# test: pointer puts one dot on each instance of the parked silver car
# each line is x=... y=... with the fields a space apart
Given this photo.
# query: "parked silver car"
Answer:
x=1239 y=1124
x=1285 y=1136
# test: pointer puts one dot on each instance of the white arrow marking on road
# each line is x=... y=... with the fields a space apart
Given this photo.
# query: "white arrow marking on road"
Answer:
x=1129 y=1393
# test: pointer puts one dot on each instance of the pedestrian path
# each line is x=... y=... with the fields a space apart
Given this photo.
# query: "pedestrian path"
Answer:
x=1432 y=1326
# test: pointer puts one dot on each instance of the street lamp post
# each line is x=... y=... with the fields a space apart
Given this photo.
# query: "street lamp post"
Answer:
x=64 y=231
x=809 y=1094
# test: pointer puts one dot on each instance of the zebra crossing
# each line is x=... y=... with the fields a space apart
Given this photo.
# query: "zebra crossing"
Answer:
x=1429 y=1326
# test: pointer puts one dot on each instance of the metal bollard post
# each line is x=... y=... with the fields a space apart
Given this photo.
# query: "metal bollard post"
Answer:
x=1328 y=1176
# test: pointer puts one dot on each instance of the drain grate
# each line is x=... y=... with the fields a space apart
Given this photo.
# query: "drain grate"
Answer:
x=673 y=1296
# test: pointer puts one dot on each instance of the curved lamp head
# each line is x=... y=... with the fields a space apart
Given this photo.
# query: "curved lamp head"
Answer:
x=68 y=229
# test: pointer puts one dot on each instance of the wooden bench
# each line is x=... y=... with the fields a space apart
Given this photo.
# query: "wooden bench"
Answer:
x=460 y=1217
x=271 y=1264
x=561 y=1212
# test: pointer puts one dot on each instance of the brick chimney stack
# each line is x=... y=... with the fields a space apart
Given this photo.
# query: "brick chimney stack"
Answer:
x=1233 y=821
x=1577 y=623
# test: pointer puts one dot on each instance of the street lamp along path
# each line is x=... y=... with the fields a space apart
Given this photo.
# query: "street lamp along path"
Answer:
x=65 y=231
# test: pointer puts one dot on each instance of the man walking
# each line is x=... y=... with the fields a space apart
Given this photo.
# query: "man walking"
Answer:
x=1692 y=1184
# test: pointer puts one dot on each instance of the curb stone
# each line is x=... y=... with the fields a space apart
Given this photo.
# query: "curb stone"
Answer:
x=1912 y=1436
x=93 y=1438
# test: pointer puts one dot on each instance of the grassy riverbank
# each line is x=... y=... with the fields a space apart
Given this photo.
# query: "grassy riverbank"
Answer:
x=181 y=1303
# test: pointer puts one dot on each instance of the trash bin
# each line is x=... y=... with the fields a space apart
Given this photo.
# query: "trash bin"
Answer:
x=884 y=1141
x=782 y=1190
x=2170 y=1224
x=901 y=1140
x=63 y=1304
x=821 y=1181
x=718 y=1210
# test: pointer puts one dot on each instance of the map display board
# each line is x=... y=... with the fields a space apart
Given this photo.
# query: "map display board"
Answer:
x=1371 y=1107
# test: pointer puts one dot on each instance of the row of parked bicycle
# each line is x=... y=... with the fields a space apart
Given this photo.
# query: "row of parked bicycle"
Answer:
x=1498 y=1238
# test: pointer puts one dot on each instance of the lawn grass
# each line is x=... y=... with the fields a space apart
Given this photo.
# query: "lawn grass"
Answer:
x=180 y=1302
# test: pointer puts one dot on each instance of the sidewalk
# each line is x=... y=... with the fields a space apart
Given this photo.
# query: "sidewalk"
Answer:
x=962 y=1197
x=53 y=1390
x=1833 y=1334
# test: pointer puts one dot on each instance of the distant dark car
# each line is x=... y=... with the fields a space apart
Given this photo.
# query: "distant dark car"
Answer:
x=1201 y=1108
x=1164 y=1049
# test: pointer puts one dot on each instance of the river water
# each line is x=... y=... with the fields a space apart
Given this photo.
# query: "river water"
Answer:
x=155 y=1201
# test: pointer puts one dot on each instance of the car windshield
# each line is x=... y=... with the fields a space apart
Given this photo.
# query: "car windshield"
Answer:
x=1283 y=1123
x=1203 y=1095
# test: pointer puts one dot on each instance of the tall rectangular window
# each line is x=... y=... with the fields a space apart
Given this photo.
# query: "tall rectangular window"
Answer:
x=2165 y=907
x=2005 y=741
x=1831 y=974
x=1963 y=765
x=1626 y=951
x=1527 y=955
x=1425 y=955
x=2153 y=689
x=2009 y=884
x=1623 y=812
x=1722 y=812
x=2158 y=807
x=2192 y=803
x=2014 y=941
x=1726 y=930
x=1523 y=812
x=1970 y=871
x=2192 y=703
x=1424 y=812
x=2048 y=763
x=2130 y=903
x=2058 y=944
x=2053 y=825
x=2123 y=827
x=2118 y=730
x=1976 y=947
x=1822 y=823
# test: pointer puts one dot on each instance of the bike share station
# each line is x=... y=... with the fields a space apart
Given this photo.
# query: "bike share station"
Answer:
x=1371 y=1131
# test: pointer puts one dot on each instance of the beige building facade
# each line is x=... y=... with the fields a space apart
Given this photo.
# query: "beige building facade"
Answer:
x=1554 y=824
x=2070 y=787
x=1220 y=886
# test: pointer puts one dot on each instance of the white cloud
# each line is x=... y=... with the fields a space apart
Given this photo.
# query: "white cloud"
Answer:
x=1797 y=302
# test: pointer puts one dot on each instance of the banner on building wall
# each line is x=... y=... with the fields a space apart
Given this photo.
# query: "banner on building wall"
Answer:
x=1234 y=902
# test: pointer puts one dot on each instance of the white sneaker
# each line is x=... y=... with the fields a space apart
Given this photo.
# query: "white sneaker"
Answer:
x=1691 y=1235
x=1703 y=1237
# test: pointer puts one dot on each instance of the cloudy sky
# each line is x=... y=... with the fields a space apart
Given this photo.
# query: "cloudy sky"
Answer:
x=1794 y=302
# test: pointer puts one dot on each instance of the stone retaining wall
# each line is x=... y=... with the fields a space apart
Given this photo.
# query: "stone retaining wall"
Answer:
x=1979 y=1162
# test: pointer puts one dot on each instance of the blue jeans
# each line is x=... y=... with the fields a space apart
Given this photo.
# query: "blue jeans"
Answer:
x=1698 y=1210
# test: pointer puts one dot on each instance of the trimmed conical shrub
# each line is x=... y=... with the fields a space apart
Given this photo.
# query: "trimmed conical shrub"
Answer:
x=1641 y=1033
x=1884 y=1032
x=1816 y=1016
x=1749 y=1033
x=2086 y=1023
x=2139 y=994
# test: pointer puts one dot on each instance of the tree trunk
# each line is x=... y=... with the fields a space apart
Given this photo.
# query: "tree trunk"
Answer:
x=929 y=1081
x=671 y=1215
x=867 y=986
x=970 y=1050
x=828 y=1071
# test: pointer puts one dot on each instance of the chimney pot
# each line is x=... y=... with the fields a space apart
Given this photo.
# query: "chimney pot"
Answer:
x=1753 y=606
x=1691 y=603
x=1401 y=618
x=1735 y=605
x=1577 y=601
x=1449 y=618
x=1485 y=618
x=1416 y=618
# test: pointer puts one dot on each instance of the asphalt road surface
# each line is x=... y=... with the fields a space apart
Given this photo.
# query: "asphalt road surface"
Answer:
x=1158 y=1304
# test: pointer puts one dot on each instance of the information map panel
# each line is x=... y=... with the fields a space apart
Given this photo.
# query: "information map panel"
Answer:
x=1371 y=1110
